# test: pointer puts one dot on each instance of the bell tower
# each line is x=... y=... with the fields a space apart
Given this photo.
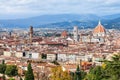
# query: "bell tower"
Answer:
x=75 y=34
x=31 y=34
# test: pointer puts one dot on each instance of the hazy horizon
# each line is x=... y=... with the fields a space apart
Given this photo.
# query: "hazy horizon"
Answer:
x=13 y=9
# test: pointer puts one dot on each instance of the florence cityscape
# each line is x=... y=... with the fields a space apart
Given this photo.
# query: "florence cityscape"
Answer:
x=59 y=40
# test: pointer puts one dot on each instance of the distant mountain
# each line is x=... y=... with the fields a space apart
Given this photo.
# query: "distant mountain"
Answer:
x=110 y=17
x=115 y=23
x=63 y=21
x=69 y=25
x=47 y=19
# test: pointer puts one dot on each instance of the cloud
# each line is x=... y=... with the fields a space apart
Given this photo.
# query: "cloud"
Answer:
x=23 y=8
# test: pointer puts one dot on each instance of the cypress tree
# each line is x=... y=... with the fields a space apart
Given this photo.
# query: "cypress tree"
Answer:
x=29 y=74
x=2 y=67
x=21 y=78
x=78 y=73
x=3 y=61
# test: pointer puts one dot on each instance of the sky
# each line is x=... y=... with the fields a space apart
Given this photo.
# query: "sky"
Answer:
x=12 y=9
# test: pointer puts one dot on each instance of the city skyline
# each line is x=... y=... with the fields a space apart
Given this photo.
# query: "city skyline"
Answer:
x=28 y=8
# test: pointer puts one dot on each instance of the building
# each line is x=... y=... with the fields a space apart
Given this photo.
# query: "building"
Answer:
x=75 y=34
x=51 y=56
x=99 y=33
x=64 y=34
x=99 y=30
x=31 y=34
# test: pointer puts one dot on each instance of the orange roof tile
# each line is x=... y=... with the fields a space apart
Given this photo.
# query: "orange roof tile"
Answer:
x=64 y=34
x=99 y=28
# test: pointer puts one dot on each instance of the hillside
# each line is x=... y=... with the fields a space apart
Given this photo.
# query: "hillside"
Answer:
x=63 y=21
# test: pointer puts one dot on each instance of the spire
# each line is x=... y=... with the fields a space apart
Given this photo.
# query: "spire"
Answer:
x=99 y=23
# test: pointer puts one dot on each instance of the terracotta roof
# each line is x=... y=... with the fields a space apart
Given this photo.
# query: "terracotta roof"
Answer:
x=99 y=28
x=64 y=34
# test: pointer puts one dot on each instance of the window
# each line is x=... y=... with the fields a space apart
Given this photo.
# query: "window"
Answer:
x=24 y=54
x=44 y=56
x=30 y=55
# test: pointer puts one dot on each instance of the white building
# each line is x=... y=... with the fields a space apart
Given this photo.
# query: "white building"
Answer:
x=51 y=57
x=7 y=53
x=62 y=57
x=31 y=55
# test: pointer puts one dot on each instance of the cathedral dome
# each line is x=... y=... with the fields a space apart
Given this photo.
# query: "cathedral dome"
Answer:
x=99 y=28
x=64 y=34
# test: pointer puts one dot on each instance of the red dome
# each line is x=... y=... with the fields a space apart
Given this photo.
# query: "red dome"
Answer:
x=64 y=34
x=99 y=29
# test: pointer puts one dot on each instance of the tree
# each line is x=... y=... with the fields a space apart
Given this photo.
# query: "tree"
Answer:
x=83 y=74
x=11 y=70
x=29 y=74
x=59 y=74
x=96 y=73
x=2 y=67
x=113 y=67
x=12 y=79
x=44 y=56
x=3 y=61
x=78 y=74
x=110 y=70
x=21 y=78
x=55 y=62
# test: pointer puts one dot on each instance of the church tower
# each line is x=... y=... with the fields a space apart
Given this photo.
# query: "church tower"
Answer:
x=75 y=34
x=31 y=34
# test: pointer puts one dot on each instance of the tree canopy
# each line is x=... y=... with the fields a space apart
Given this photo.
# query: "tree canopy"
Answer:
x=110 y=70
x=11 y=70
x=59 y=74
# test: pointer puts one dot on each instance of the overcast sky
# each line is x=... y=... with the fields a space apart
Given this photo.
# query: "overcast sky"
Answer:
x=29 y=8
